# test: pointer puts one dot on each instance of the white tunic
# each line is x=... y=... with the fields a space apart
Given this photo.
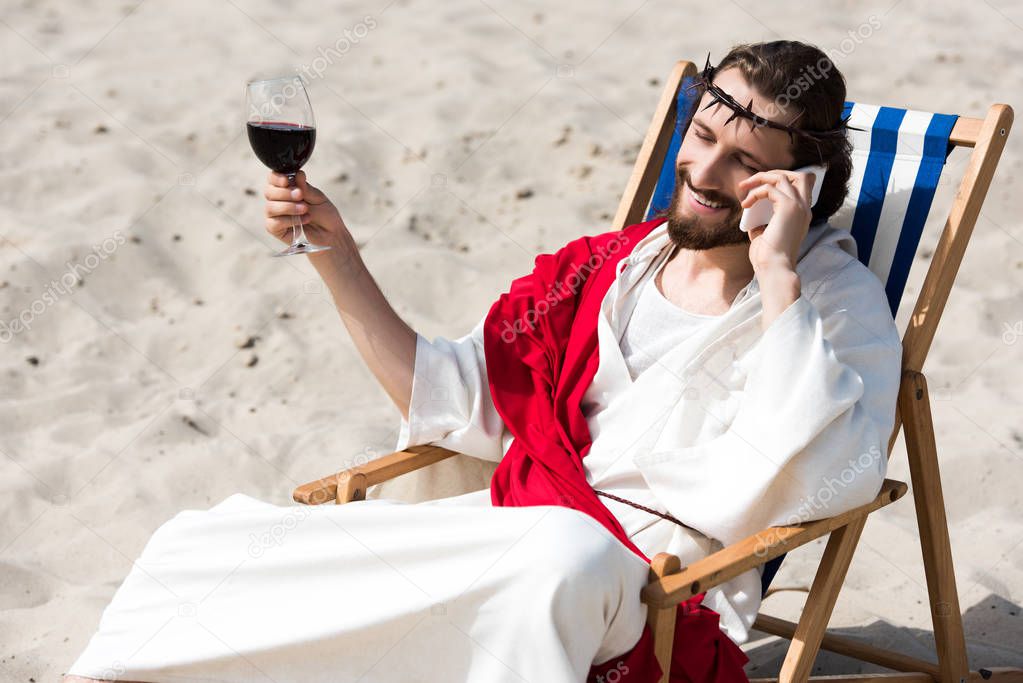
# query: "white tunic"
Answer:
x=656 y=326
x=733 y=429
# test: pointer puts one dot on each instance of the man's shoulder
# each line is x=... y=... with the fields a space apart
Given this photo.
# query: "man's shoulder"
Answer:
x=836 y=280
x=853 y=299
x=627 y=237
x=830 y=257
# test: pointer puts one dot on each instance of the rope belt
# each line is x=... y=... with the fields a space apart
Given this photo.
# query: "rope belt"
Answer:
x=662 y=515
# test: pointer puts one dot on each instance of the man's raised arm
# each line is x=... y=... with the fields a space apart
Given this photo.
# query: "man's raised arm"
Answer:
x=385 y=342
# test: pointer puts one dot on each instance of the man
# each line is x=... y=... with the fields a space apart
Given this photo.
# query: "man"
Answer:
x=703 y=382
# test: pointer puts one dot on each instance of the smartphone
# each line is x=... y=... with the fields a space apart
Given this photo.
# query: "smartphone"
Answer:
x=760 y=213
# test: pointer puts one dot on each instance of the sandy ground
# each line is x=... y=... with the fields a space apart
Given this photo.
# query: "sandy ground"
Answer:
x=460 y=139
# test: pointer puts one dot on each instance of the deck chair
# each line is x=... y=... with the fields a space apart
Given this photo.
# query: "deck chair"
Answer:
x=898 y=158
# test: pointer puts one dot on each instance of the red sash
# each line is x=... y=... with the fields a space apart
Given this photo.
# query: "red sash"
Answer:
x=540 y=343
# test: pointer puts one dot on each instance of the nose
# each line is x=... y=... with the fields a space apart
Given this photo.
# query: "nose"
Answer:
x=707 y=175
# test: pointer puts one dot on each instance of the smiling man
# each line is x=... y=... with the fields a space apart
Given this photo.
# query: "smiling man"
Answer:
x=671 y=387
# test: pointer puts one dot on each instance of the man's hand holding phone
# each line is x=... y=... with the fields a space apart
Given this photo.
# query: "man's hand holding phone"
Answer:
x=776 y=214
x=774 y=245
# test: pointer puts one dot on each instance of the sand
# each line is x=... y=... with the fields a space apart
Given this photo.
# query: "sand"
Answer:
x=167 y=363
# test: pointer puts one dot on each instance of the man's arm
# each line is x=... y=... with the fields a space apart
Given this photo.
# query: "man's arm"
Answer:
x=779 y=289
x=451 y=404
x=440 y=387
x=774 y=247
x=385 y=342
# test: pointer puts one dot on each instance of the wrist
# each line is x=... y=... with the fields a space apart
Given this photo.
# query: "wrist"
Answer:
x=779 y=289
x=773 y=264
x=776 y=275
x=340 y=265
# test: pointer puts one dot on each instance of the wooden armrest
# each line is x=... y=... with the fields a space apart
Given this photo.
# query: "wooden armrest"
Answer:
x=355 y=480
x=753 y=551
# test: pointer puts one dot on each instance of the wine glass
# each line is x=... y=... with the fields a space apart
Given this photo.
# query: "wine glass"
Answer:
x=282 y=134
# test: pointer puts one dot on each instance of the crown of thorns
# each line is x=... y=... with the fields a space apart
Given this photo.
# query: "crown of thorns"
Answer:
x=719 y=96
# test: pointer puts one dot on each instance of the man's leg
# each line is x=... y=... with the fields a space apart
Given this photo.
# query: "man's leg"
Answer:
x=376 y=589
x=570 y=598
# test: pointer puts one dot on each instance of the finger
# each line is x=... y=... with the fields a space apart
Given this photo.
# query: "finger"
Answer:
x=285 y=209
x=806 y=181
x=310 y=193
x=282 y=194
x=776 y=180
x=786 y=186
x=762 y=192
x=757 y=178
x=278 y=179
x=280 y=226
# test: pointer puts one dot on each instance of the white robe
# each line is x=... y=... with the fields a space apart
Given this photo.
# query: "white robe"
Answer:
x=455 y=589
x=377 y=591
x=735 y=430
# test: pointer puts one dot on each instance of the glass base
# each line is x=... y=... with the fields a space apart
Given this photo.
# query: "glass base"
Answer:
x=300 y=248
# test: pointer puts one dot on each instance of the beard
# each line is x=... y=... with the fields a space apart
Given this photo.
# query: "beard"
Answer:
x=689 y=230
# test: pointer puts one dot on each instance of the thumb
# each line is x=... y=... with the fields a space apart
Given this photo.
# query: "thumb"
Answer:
x=310 y=193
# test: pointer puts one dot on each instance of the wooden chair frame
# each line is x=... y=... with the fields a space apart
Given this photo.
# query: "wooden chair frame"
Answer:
x=670 y=583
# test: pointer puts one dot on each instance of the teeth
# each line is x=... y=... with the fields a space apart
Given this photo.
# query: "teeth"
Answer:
x=701 y=200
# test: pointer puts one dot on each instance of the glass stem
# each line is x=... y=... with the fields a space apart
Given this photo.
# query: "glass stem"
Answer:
x=297 y=231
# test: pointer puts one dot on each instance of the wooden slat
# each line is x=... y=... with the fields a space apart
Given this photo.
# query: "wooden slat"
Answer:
x=813 y=622
x=992 y=132
x=850 y=647
x=966 y=131
x=351 y=486
x=648 y=164
x=662 y=620
x=934 y=541
x=948 y=254
x=375 y=471
x=996 y=674
x=754 y=550
x=863 y=678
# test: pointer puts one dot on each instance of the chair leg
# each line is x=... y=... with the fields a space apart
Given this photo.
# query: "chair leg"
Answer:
x=662 y=621
x=949 y=639
x=813 y=622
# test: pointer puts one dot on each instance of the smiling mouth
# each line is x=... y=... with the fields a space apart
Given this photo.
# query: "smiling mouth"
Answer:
x=703 y=200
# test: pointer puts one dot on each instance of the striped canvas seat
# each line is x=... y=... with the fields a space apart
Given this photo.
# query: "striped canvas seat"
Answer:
x=897 y=159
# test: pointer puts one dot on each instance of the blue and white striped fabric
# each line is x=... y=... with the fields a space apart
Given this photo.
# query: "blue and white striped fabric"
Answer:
x=897 y=160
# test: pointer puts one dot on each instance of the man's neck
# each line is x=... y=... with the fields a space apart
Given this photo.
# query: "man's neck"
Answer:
x=705 y=281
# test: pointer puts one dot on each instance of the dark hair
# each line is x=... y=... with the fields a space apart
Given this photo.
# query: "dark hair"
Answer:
x=800 y=77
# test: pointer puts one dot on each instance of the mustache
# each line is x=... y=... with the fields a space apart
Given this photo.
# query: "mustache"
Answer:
x=710 y=195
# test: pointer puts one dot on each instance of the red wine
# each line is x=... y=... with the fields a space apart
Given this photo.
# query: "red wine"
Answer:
x=284 y=147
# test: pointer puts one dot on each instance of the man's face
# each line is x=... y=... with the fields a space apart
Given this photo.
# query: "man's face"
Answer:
x=715 y=157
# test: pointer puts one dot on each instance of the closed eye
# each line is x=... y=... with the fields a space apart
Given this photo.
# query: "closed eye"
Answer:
x=752 y=169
